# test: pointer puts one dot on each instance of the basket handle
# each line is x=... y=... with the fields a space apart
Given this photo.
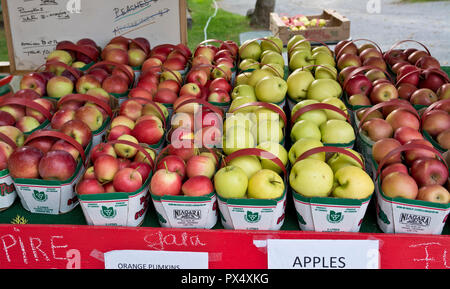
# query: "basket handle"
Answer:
x=360 y=69
x=60 y=135
x=93 y=54
x=256 y=152
x=268 y=105
x=136 y=146
x=360 y=39
x=123 y=67
x=309 y=39
x=27 y=103
x=329 y=149
x=6 y=80
x=404 y=41
x=315 y=106
x=7 y=140
x=72 y=70
x=87 y=98
x=202 y=102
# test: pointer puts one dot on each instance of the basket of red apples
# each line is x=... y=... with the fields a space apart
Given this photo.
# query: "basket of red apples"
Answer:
x=218 y=53
x=435 y=123
x=348 y=54
x=196 y=120
x=127 y=51
x=47 y=167
x=8 y=191
x=113 y=78
x=26 y=110
x=91 y=110
x=332 y=179
x=80 y=54
x=252 y=196
x=395 y=120
x=412 y=184
x=161 y=85
x=139 y=120
x=114 y=188
x=170 y=57
x=182 y=188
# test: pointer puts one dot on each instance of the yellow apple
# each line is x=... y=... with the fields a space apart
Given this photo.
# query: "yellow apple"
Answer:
x=311 y=178
x=352 y=182
x=265 y=184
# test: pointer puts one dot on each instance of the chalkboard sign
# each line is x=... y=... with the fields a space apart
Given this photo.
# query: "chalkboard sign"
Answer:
x=33 y=27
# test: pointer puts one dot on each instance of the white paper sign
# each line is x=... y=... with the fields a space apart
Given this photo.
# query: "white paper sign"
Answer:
x=323 y=254
x=139 y=259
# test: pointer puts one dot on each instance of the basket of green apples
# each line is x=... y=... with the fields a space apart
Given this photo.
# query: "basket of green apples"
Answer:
x=331 y=189
x=251 y=197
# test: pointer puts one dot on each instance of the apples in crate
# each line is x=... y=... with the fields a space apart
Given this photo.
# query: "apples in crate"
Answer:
x=77 y=54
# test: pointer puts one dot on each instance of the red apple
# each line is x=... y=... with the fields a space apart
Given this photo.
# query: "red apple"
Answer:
x=61 y=117
x=34 y=81
x=132 y=109
x=23 y=163
x=6 y=118
x=383 y=92
x=116 y=55
x=429 y=171
x=173 y=163
x=89 y=187
x=220 y=83
x=102 y=149
x=443 y=139
x=219 y=96
x=165 y=182
x=198 y=76
x=78 y=130
x=200 y=166
x=117 y=131
x=143 y=168
x=433 y=79
x=127 y=180
x=405 y=90
x=398 y=184
x=57 y=165
x=105 y=168
x=148 y=131
x=435 y=121
x=141 y=93
x=396 y=167
x=444 y=91
x=415 y=154
x=423 y=96
x=346 y=60
x=190 y=89
x=434 y=193
x=359 y=99
x=171 y=84
x=86 y=82
x=401 y=117
x=408 y=74
x=428 y=61
x=65 y=146
x=377 y=129
x=99 y=73
x=384 y=146
x=165 y=95
x=44 y=144
x=406 y=133
x=197 y=186
x=358 y=84
x=185 y=152
x=115 y=84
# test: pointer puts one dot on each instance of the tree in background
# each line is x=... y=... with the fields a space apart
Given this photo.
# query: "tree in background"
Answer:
x=260 y=15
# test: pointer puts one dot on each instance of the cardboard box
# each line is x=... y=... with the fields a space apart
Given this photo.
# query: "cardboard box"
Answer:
x=337 y=28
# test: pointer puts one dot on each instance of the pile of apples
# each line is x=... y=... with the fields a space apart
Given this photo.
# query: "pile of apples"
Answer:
x=413 y=173
x=168 y=56
x=78 y=54
x=24 y=117
x=261 y=76
x=436 y=122
x=367 y=54
x=395 y=119
x=325 y=125
x=340 y=175
x=184 y=171
x=49 y=158
x=116 y=167
x=163 y=87
x=90 y=113
x=301 y=54
x=139 y=122
x=302 y=22
x=192 y=123
x=251 y=126
x=122 y=50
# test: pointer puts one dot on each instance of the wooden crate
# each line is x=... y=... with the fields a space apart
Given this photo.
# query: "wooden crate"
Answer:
x=336 y=29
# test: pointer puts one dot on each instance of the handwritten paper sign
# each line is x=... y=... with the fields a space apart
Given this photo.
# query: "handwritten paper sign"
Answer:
x=34 y=27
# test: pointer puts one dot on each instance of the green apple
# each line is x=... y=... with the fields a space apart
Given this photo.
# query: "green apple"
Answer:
x=336 y=131
x=352 y=182
x=298 y=84
x=321 y=89
x=311 y=178
x=303 y=145
x=257 y=75
x=248 y=64
x=238 y=137
x=276 y=149
x=323 y=58
x=340 y=160
x=325 y=71
x=249 y=164
x=337 y=103
x=173 y=75
x=273 y=43
x=265 y=114
x=242 y=78
x=275 y=68
x=271 y=89
x=318 y=116
x=250 y=49
x=300 y=45
x=272 y=57
x=237 y=119
x=240 y=100
x=321 y=48
x=305 y=129
x=293 y=40
x=265 y=184
x=268 y=131
x=300 y=59
x=243 y=90
x=231 y=182
x=124 y=150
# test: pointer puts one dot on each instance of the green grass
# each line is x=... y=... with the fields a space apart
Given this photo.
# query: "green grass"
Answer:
x=224 y=26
